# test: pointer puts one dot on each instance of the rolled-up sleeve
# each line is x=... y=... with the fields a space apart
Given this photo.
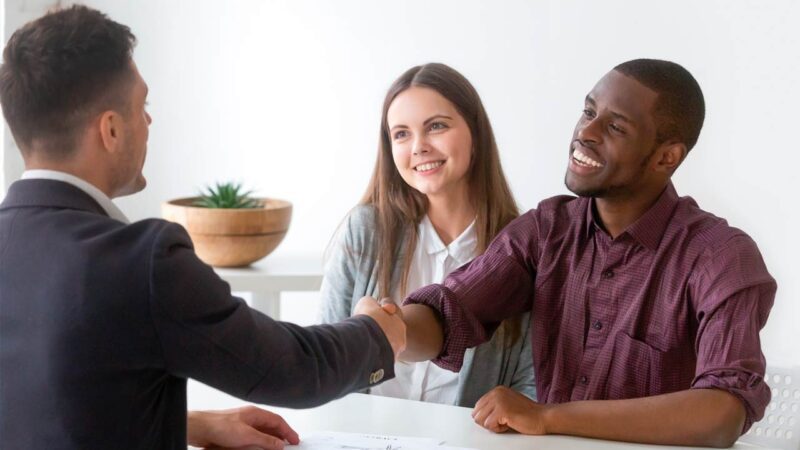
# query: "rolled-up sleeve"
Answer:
x=735 y=294
x=474 y=299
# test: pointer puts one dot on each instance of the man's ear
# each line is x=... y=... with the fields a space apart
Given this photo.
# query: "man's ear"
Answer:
x=669 y=156
x=111 y=125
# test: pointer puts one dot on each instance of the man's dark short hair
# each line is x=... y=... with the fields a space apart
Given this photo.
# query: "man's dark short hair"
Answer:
x=680 y=108
x=61 y=70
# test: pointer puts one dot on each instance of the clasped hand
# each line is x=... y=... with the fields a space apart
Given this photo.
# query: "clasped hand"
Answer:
x=389 y=317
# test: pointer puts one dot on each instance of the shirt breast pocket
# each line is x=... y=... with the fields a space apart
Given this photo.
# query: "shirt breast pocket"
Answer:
x=635 y=368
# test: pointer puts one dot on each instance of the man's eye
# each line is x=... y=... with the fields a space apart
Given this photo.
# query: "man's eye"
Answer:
x=588 y=113
x=616 y=128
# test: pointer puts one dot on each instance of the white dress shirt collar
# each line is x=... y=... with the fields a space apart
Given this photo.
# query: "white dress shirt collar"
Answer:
x=98 y=195
x=462 y=249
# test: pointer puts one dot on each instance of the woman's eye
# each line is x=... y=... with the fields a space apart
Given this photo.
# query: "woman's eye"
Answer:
x=438 y=126
x=400 y=134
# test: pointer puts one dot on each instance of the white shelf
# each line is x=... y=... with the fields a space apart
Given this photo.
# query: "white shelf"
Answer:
x=276 y=273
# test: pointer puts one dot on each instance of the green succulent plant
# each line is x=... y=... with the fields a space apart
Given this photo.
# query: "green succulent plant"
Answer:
x=226 y=195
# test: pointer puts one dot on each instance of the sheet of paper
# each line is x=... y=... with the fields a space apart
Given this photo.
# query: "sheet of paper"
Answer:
x=330 y=440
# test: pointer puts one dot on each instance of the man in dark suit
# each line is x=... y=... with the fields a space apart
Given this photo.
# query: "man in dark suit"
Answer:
x=102 y=321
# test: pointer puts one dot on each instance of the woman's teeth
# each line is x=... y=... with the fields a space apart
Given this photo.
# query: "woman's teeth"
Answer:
x=428 y=166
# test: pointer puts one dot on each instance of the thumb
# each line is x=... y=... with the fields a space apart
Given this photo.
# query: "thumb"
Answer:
x=391 y=307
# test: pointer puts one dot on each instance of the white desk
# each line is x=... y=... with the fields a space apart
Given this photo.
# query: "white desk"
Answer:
x=266 y=279
x=361 y=413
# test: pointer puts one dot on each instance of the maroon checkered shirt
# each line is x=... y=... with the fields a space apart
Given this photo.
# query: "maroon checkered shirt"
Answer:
x=675 y=302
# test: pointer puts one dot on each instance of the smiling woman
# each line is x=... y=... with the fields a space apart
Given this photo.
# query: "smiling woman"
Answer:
x=437 y=197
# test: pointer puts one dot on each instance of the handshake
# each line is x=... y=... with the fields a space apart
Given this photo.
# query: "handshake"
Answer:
x=389 y=317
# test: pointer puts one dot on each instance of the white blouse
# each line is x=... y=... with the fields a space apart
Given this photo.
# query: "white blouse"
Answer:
x=432 y=261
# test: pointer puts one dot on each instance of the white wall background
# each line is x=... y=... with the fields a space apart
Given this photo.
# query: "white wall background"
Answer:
x=285 y=96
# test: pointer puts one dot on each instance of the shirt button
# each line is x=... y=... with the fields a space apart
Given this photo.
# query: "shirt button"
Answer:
x=597 y=325
x=608 y=274
x=584 y=380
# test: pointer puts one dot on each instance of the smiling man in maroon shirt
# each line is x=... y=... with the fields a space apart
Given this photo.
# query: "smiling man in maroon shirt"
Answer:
x=646 y=310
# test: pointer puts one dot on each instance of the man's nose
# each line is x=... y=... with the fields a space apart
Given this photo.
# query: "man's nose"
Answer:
x=590 y=130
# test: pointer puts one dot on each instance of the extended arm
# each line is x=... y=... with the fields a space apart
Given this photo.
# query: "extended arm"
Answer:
x=425 y=334
x=445 y=319
x=694 y=417
x=208 y=335
x=727 y=395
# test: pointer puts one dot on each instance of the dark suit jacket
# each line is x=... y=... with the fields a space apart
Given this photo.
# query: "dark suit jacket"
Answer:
x=101 y=323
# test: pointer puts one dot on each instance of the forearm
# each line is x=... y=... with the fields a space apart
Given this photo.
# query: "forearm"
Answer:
x=314 y=365
x=698 y=417
x=424 y=335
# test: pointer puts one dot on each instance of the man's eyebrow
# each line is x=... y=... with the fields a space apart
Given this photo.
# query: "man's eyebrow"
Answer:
x=623 y=118
x=614 y=114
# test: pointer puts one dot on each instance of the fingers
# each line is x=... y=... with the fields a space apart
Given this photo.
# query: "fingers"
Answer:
x=270 y=423
x=258 y=439
x=489 y=411
x=392 y=325
x=491 y=417
x=479 y=415
x=488 y=398
x=390 y=308
x=367 y=305
x=496 y=421
x=389 y=305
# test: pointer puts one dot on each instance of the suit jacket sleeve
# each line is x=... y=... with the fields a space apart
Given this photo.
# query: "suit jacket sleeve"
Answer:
x=215 y=338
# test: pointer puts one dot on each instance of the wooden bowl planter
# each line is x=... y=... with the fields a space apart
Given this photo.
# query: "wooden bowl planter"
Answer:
x=231 y=237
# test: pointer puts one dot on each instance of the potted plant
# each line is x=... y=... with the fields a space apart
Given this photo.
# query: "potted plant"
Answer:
x=228 y=227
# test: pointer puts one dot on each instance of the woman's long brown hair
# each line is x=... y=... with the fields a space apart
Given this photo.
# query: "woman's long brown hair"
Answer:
x=400 y=208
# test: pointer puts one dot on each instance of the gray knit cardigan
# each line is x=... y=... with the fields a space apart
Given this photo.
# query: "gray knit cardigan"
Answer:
x=350 y=273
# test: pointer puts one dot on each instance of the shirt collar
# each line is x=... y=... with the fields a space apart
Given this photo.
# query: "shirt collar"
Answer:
x=102 y=199
x=649 y=229
x=462 y=249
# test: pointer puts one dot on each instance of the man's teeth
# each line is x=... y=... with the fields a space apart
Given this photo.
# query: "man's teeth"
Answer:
x=582 y=157
x=428 y=166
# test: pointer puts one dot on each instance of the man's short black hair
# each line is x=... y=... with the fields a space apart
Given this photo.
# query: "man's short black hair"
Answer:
x=680 y=108
x=59 y=71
